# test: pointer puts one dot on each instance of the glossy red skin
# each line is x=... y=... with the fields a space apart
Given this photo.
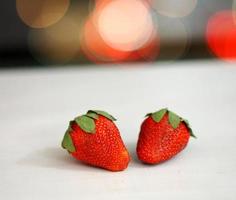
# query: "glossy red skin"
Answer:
x=104 y=148
x=159 y=142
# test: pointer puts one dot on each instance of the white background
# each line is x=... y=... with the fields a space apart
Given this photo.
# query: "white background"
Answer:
x=37 y=104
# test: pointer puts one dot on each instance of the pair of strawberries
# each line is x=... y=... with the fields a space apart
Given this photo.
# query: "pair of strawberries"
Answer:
x=94 y=139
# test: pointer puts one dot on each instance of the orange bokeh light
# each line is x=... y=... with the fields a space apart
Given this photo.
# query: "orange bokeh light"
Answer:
x=100 y=50
x=96 y=49
x=125 y=24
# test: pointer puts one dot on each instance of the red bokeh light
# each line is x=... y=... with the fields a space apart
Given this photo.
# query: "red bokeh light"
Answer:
x=221 y=35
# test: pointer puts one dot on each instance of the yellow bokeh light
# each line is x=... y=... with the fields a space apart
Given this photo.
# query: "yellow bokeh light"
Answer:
x=59 y=43
x=41 y=13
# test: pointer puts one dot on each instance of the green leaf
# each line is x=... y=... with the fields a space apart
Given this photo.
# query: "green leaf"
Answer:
x=67 y=142
x=147 y=115
x=186 y=122
x=86 y=123
x=92 y=115
x=191 y=133
x=189 y=128
x=70 y=125
x=174 y=119
x=157 y=116
x=103 y=113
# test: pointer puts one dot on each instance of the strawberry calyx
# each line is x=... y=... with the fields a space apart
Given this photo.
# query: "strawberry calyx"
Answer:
x=103 y=113
x=92 y=115
x=67 y=142
x=86 y=123
x=173 y=119
x=189 y=128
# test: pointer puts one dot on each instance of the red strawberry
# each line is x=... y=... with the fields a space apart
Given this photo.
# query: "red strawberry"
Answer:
x=94 y=139
x=163 y=135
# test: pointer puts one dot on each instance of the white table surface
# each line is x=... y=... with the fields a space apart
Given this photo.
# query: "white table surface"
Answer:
x=36 y=105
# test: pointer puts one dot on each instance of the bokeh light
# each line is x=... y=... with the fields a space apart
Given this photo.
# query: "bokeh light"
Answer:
x=41 y=13
x=110 y=30
x=96 y=49
x=221 y=35
x=56 y=44
x=91 y=5
x=234 y=10
x=174 y=38
x=174 y=8
x=125 y=24
x=151 y=50
x=120 y=30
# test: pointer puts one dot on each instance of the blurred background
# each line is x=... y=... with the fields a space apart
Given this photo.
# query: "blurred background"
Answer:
x=60 y=32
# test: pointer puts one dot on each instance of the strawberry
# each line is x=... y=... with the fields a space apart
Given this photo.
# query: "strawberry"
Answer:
x=94 y=139
x=163 y=134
